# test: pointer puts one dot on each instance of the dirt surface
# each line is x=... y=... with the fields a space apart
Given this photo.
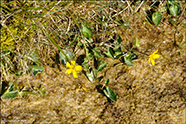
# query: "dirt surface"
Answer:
x=145 y=93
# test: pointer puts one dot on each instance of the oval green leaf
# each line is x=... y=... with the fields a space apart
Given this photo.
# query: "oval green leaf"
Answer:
x=156 y=18
x=11 y=94
x=92 y=75
x=101 y=66
x=110 y=94
x=97 y=54
x=174 y=10
x=87 y=32
x=64 y=59
x=128 y=61
x=109 y=53
x=118 y=54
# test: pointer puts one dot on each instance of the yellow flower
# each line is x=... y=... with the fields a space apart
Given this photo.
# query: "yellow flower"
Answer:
x=85 y=89
x=152 y=57
x=73 y=68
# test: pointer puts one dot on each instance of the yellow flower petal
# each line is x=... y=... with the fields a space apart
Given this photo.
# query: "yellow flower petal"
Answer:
x=156 y=56
x=85 y=89
x=149 y=61
x=68 y=65
x=69 y=71
x=153 y=63
x=75 y=74
x=155 y=52
x=78 y=68
x=73 y=63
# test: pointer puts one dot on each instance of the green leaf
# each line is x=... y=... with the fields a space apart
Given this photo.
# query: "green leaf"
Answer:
x=174 y=10
x=87 y=32
x=101 y=66
x=35 y=58
x=129 y=54
x=11 y=85
x=96 y=53
x=79 y=86
x=87 y=66
x=79 y=43
x=91 y=40
x=133 y=56
x=43 y=91
x=89 y=55
x=119 y=40
x=37 y=68
x=97 y=49
x=156 y=18
x=126 y=24
x=118 y=54
x=63 y=58
x=106 y=82
x=10 y=94
x=110 y=94
x=128 y=61
x=181 y=44
x=35 y=88
x=109 y=53
x=172 y=2
x=136 y=42
x=22 y=92
x=27 y=92
x=92 y=76
x=117 y=49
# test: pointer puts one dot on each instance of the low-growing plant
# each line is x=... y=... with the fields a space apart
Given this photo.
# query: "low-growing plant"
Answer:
x=108 y=91
x=93 y=62
x=9 y=93
x=40 y=90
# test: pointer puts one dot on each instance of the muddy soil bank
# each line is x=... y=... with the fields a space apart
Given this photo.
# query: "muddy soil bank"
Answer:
x=145 y=93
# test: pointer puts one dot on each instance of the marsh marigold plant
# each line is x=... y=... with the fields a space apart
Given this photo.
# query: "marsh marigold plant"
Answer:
x=73 y=68
x=152 y=57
